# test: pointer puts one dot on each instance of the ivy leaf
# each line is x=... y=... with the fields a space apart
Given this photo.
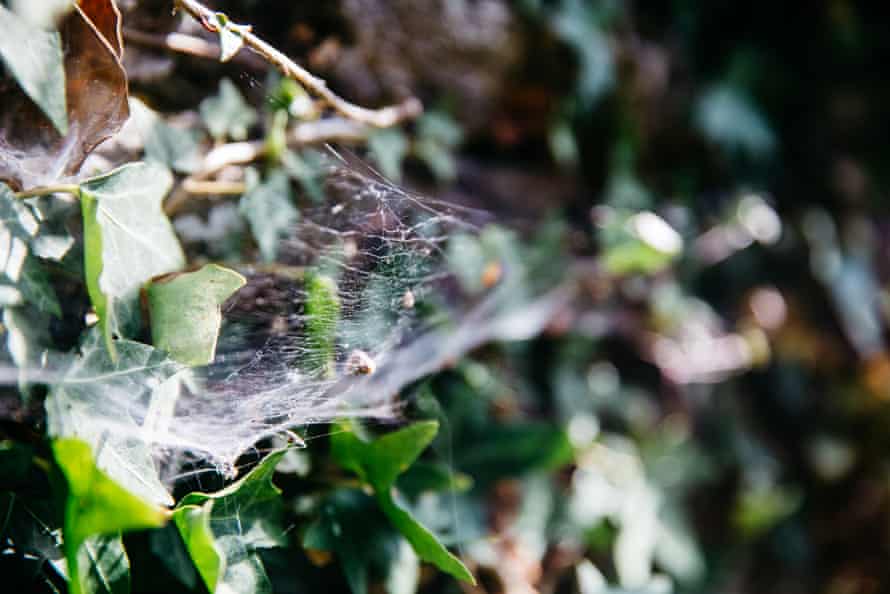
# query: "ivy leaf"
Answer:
x=95 y=392
x=510 y=450
x=96 y=505
x=379 y=463
x=27 y=340
x=35 y=59
x=322 y=308
x=22 y=278
x=29 y=531
x=185 y=312
x=350 y=524
x=166 y=544
x=230 y=37
x=227 y=114
x=438 y=135
x=223 y=531
x=269 y=211
x=127 y=241
x=173 y=147
x=103 y=565
x=389 y=147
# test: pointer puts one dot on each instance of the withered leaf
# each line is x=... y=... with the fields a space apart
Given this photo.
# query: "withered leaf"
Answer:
x=32 y=151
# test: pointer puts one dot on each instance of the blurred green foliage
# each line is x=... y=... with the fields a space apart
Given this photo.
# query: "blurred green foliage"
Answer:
x=708 y=414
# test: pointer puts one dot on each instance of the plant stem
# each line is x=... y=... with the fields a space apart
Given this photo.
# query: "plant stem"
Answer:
x=379 y=118
x=72 y=189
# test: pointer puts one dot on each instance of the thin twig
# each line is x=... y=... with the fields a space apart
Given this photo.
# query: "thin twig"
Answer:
x=176 y=42
x=213 y=188
x=333 y=129
x=72 y=189
x=185 y=44
x=379 y=118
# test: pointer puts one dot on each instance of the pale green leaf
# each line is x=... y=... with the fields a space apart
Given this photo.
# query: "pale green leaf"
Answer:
x=95 y=393
x=227 y=114
x=269 y=210
x=173 y=147
x=389 y=147
x=27 y=340
x=22 y=277
x=127 y=241
x=35 y=59
x=185 y=312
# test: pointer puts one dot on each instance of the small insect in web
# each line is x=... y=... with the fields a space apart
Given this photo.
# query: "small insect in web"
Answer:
x=408 y=299
x=360 y=363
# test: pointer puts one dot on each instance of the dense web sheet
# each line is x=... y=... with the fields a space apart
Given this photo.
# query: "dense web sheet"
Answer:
x=372 y=289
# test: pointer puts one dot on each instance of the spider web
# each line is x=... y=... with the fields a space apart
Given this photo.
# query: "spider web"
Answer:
x=417 y=283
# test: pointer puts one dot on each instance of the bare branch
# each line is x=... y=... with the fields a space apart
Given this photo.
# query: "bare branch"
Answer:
x=379 y=118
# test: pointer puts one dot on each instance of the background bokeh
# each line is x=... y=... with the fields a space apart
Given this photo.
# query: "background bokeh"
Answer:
x=711 y=411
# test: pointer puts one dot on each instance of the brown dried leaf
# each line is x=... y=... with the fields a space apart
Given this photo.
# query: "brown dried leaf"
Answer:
x=32 y=152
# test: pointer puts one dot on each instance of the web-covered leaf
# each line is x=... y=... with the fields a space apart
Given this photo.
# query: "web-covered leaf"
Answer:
x=102 y=402
x=223 y=531
x=23 y=279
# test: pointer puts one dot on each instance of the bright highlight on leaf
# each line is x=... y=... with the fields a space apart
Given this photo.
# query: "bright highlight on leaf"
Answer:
x=95 y=504
x=127 y=241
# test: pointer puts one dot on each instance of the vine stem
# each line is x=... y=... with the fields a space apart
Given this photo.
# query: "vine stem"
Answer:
x=72 y=189
x=379 y=118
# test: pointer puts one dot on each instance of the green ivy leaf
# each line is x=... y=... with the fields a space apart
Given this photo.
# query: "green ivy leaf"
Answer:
x=35 y=59
x=127 y=241
x=27 y=341
x=510 y=450
x=351 y=525
x=173 y=147
x=438 y=135
x=379 y=463
x=223 y=531
x=103 y=565
x=22 y=277
x=230 y=37
x=166 y=544
x=269 y=210
x=95 y=505
x=30 y=531
x=389 y=147
x=322 y=315
x=95 y=391
x=193 y=523
x=227 y=114
x=185 y=312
